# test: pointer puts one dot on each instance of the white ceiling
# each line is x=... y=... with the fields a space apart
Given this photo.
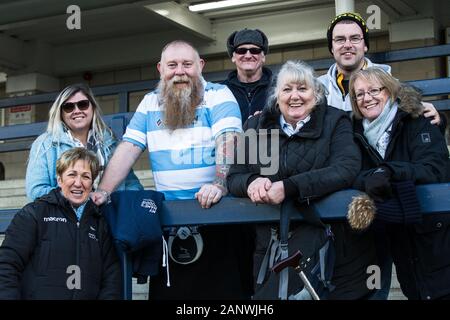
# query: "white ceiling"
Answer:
x=114 y=33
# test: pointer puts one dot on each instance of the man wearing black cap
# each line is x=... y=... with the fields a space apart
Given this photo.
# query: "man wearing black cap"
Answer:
x=250 y=81
x=249 y=84
x=348 y=42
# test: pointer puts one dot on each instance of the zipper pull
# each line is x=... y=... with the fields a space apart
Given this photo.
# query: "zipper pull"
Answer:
x=78 y=224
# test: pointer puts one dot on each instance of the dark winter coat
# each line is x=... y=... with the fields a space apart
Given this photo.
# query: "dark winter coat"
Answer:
x=256 y=100
x=417 y=152
x=44 y=239
x=318 y=160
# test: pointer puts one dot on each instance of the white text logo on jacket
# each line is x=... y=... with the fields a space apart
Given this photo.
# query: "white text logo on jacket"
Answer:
x=54 y=219
x=150 y=205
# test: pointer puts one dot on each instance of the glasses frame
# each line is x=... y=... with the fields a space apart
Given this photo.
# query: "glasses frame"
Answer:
x=370 y=93
x=68 y=107
x=253 y=50
x=353 y=40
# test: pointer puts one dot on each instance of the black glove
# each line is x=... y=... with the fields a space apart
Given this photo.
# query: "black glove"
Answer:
x=378 y=184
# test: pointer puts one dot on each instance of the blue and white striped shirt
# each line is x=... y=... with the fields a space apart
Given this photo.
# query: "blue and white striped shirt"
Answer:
x=184 y=159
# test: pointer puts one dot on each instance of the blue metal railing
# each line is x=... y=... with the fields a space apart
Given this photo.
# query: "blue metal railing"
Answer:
x=433 y=199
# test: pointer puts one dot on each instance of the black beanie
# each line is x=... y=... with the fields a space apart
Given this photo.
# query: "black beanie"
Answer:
x=247 y=36
x=356 y=17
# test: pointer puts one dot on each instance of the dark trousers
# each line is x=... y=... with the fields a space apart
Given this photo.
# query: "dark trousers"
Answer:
x=223 y=271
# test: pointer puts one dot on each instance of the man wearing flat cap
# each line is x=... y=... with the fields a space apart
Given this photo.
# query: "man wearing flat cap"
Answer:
x=249 y=84
x=250 y=81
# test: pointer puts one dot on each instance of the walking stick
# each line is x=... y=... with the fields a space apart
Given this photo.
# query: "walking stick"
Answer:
x=294 y=261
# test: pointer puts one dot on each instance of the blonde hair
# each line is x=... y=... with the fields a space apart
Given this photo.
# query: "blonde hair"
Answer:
x=55 y=122
x=70 y=157
x=373 y=74
x=296 y=71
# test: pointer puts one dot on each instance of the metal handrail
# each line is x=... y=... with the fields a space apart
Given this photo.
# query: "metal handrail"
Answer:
x=433 y=199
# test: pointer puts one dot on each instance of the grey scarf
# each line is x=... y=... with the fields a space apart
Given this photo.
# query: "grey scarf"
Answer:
x=375 y=129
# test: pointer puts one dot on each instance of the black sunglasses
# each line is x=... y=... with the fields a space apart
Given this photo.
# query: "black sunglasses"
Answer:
x=244 y=50
x=82 y=105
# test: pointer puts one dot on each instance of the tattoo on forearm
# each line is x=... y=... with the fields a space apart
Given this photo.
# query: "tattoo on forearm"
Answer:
x=221 y=175
x=225 y=146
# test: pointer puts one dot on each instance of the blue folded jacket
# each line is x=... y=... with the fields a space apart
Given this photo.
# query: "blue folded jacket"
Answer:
x=133 y=217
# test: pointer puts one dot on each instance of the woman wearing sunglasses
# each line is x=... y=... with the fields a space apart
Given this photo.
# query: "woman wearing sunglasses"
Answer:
x=74 y=121
x=400 y=149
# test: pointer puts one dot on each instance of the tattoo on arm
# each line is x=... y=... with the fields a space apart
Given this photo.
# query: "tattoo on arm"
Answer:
x=221 y=175
x=225 y=146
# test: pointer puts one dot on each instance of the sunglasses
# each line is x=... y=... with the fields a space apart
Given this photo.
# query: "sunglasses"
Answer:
x=244 y=50
x=82 y=105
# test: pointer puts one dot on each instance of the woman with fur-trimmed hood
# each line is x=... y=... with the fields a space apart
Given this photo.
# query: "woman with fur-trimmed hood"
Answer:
x=400 y=149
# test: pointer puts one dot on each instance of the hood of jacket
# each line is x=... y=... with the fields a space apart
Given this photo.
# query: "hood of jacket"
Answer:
x=331 y=74
x=47 y=141
x=410 y=100
x=50 y=139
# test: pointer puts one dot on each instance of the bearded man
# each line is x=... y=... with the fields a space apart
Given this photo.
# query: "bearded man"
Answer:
x=188 y=126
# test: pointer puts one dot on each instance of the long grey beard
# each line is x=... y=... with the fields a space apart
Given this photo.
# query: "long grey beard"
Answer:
x=180 y=104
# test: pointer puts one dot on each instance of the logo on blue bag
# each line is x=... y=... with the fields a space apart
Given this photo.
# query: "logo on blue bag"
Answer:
x=150 y=205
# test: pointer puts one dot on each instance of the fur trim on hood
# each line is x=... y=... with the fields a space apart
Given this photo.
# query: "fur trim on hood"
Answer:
x=410 y=100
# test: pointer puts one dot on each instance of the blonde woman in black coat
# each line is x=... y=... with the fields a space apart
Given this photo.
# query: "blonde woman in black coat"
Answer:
x=401 y=148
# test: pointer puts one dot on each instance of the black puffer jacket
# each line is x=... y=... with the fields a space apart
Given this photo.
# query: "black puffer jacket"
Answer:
x=320 y=159
x=417 y=152
x=44 y=239
x=250 y=103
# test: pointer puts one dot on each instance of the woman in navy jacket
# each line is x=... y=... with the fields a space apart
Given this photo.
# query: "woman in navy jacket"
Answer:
x=59 y=246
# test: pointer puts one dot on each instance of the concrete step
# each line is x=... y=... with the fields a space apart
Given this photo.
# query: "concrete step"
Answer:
x=11 y=192
x=13 y=202
x=140 y=291
x=12 y=184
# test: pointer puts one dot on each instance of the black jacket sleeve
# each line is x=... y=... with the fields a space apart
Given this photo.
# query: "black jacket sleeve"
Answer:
x=428 y=155
x=344 y=163
x=241 y=175
x=16 y=250
x=111 y=286
x=359 y=182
